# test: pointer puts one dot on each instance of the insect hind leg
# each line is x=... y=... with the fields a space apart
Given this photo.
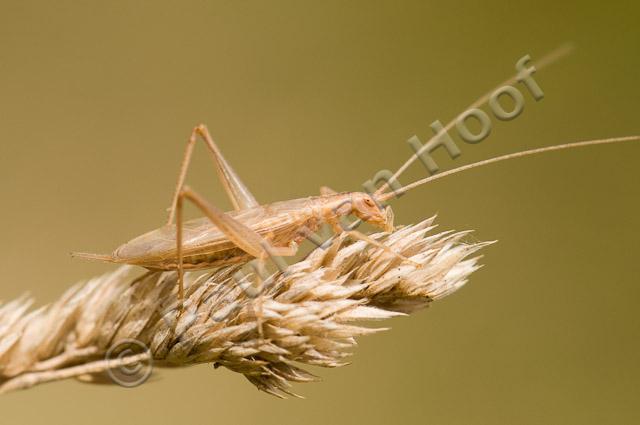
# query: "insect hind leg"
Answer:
x=238 y=193
x=241 y=235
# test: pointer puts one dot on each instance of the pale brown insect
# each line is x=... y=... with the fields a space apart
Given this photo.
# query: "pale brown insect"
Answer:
x=250 y=231
x=260 y=231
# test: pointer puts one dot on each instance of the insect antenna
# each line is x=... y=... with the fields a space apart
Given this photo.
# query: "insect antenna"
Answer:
x=386 y=196
x=548 y=59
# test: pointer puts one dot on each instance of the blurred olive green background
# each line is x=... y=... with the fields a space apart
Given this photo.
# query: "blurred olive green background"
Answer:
x=98 y=98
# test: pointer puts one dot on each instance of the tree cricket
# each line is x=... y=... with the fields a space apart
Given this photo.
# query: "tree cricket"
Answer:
x=250 y=231
x=259 y=231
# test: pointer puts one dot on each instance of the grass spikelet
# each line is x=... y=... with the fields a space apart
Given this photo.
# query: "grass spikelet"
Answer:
x=313 y=312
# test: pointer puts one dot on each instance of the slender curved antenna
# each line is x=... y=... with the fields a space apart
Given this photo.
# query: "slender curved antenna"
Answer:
x=387 y=196
x=548 y=59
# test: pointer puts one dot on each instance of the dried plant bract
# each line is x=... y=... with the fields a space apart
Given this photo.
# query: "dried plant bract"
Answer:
x=312 y=313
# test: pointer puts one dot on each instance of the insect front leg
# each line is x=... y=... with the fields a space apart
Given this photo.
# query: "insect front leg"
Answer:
x=363 y=237
x=339 y=228
x=389 y=219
